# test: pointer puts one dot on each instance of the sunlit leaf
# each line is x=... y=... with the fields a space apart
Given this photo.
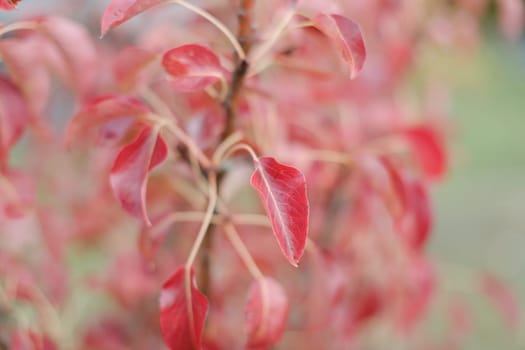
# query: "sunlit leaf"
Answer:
x=282 y=190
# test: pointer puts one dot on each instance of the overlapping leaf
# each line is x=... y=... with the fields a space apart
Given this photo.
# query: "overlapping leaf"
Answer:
x=183 y=312
x=266 y=313
x=282 y=190
x=347 y=38
x=192 y=67
x=129 y=175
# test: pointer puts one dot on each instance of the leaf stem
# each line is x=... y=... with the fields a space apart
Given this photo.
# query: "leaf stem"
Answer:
x=262 y=50
x=238 y=147
x=208 y=216
x=22 y=25
x=218 y=24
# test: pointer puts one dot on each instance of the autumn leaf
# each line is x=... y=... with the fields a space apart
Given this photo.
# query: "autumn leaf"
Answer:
x=282 y=190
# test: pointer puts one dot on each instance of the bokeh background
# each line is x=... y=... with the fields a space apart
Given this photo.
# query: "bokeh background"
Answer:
x=480 y=205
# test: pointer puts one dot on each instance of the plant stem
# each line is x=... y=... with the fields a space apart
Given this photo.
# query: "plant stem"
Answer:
x=244 y=37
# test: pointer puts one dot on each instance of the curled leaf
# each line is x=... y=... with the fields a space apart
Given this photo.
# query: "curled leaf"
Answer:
x=266 y=313
x=346 y=36
x=182 y=311
x=192 y=67
x=120 y=11
x=129 y=175
x=282 y=190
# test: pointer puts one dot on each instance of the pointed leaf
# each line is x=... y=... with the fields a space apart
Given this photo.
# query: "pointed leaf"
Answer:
x=129 y=175
x=102 y=110
x=347 y=38
x=120 y=11
x=182 y=311
x=192 y=67
x=282 y=190
x=266 y=313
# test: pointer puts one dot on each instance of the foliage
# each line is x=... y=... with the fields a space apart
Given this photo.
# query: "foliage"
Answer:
x=307 y=95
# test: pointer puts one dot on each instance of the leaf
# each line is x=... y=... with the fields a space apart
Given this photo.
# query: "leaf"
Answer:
x=183 y=311
x=103 y=110
x=14 y=116
x=28 y=71
x=266 y=313
x=120 y=11
x=129 y=175
x=282 y=190
x=192 y=67
x=428 y=149
x=8 y=4
x=346 y=36
x=75 y=46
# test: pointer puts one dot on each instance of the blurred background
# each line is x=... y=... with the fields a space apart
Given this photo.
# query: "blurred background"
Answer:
x=480 y=205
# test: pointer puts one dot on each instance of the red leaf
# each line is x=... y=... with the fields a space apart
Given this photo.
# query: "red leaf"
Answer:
x=346 y=36
x=102 y=110
x=120 y=11
x=428 y=150
x=14 y=115
x=282 y=190
x=8 y=4
x=129 y=175
x=182 y=311
x=192 y=67
x=266 y=313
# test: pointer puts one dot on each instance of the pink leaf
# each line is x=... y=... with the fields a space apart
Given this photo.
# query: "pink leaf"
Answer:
x=511 y=18
x=428 y=149
x=129 y=174
x=120 y=11
x=346 y=36
x=14 y=115
x=8 y=4
x=282 y=190
x=102 y=110
x=77 y=49
x=182 y=311
x=266 y=313
x=192 y=67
